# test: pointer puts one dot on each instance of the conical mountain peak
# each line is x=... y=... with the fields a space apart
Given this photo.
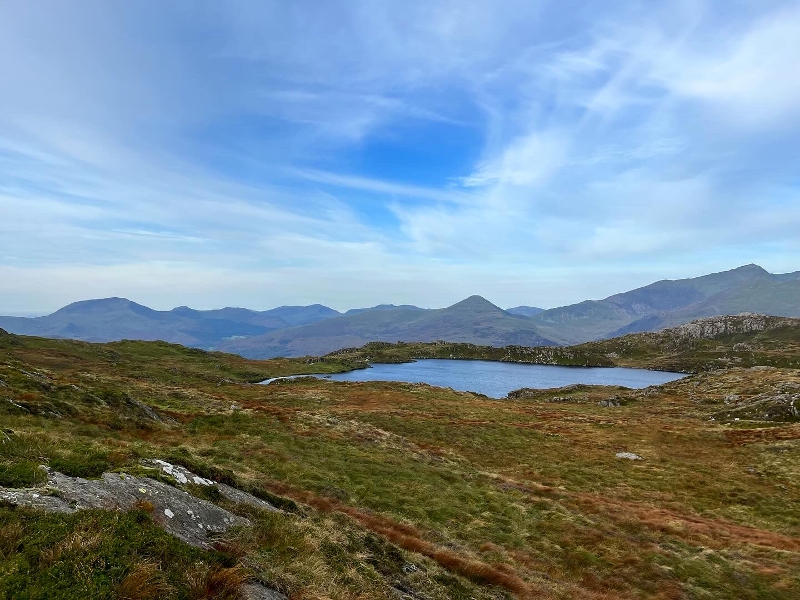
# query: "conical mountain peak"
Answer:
x=475 y=303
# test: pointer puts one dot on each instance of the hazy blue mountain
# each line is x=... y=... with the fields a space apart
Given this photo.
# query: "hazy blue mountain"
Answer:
x=525 y=311
x=473 y=320
x=785 y=276
x=111 y=319
x=302 y=315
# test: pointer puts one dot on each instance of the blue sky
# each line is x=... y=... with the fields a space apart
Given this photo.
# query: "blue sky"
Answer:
x=351 y=153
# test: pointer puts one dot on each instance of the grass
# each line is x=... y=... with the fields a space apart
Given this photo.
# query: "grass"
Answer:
x=95 y=554
x=439 y=493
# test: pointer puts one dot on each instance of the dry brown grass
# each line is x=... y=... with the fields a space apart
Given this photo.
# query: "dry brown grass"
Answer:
x=767 y=434
x=145 y=581
x=144 y=505
x=230 y=547
x=78 y=541
x=713 y=532
x=216 y=583
x=410 y=538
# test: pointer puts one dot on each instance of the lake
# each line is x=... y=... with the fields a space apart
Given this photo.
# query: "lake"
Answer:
x=496 y=379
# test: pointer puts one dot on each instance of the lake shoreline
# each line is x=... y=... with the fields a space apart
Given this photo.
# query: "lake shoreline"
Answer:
x=494 y=378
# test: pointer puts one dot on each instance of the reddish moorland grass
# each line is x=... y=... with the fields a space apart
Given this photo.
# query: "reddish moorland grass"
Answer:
x=410 y=538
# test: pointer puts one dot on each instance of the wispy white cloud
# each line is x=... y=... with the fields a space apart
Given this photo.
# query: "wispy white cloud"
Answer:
x=748 y=78
x=265 y=145
x=379 y=186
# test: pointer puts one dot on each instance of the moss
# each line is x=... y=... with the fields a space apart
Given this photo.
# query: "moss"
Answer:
x=205 y=492
x=21 y=473
x=79 y=464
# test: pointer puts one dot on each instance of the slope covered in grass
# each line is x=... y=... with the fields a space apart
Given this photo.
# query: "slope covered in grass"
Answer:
x=404 y=488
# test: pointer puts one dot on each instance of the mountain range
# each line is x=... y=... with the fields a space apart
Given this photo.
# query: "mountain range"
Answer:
x=112 y=319
x=473 y=320
x=317 y=329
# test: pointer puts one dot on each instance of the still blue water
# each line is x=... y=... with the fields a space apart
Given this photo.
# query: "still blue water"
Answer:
x=496 y=379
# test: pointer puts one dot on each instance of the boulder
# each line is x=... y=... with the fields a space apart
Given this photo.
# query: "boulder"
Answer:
x=629 y=456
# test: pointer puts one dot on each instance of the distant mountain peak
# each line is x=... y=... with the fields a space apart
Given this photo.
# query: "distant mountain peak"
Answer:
x=751 y=267
x=112 y=303
x=382 y=307
x=476 y=302
x=182 y=309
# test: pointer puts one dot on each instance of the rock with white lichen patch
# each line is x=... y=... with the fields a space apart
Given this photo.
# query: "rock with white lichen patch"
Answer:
x=190 y=519
x=184 y=476
x=628 y=456
x=187 y=517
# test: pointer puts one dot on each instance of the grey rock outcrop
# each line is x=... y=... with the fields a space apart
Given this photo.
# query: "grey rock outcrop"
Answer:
x=179 y=513
x=256 y=591
x=714 y=327
x=184 y=476
x=769 y=406
x=612 y=402
x=188 y=518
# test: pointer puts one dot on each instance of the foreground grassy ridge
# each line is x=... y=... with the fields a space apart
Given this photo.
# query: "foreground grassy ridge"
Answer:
x=442 y=493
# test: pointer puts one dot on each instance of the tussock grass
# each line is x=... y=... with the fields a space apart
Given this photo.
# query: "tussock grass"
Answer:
x=145 y=581
x=94 y=554
x=219 y=583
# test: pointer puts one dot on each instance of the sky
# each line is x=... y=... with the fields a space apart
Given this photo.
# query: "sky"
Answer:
x=353 y=153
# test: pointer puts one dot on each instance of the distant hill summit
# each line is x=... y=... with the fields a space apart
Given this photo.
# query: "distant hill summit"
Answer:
x=354 y=311
x=525 y=311
x=473 y=320
x=318 y=329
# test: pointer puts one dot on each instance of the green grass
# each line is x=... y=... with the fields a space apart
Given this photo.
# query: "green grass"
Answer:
x=477 y=495
x=89 y=554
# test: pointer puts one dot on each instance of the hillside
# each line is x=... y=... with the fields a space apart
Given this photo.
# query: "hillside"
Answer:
x=112 y=319
x=746 y=289
x=772 y=296
x=473 y=320
x=388 y=490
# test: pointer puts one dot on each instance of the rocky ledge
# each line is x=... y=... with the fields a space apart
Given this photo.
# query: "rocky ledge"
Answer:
x=188 y=518
x=714 y=327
